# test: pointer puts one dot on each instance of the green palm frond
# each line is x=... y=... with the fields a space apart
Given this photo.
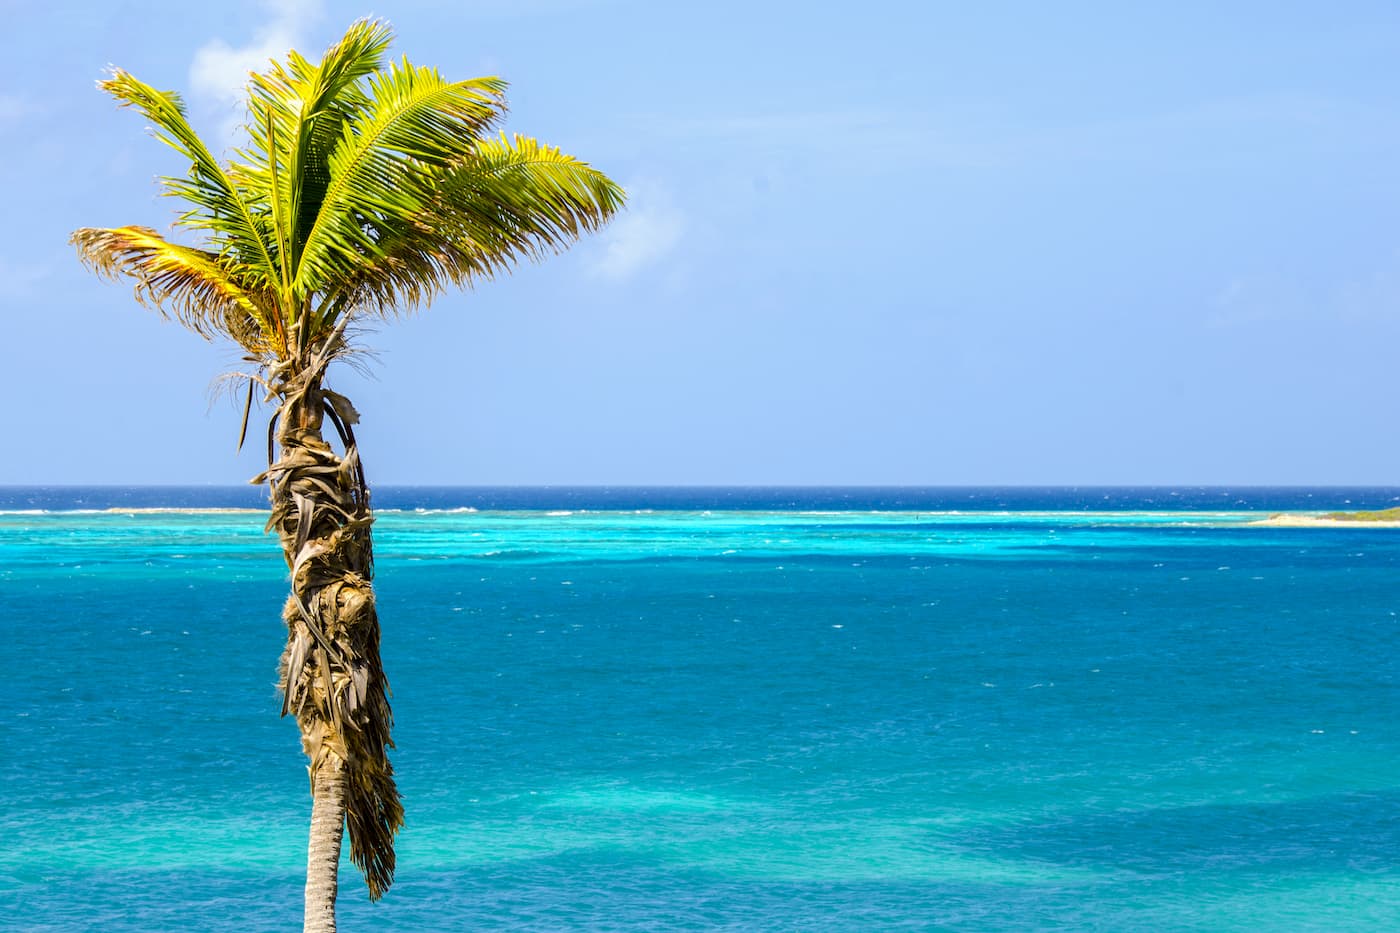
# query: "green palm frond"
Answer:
x=510 y=199
x=235 y=224
x=297 y=114
x=198 y=288
x=523 y=198
x=414 y=123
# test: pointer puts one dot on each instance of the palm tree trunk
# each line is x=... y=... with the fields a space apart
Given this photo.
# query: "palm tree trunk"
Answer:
x=323 y=849
x=332 y=678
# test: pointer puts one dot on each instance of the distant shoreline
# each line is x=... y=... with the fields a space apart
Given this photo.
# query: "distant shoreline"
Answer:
x=1295 y=520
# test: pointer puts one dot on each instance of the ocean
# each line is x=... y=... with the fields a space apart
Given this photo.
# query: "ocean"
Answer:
x=723 y=709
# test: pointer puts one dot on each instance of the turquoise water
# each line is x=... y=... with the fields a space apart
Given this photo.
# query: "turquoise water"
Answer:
x=735 y=720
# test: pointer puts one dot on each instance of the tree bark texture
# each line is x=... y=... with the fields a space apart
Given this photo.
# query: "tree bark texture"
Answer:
x=331 y=676
x=323 y=848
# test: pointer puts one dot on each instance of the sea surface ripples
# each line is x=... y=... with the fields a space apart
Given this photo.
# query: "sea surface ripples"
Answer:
x=806 y=718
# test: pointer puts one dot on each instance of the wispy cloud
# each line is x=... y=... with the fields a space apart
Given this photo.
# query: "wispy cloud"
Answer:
x=1370 y=294
x=219 y=71
x=648 y=230
x=1209 y=129
x=1254 y=300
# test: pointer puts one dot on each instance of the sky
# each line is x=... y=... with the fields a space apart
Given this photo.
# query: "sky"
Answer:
x=881 y=243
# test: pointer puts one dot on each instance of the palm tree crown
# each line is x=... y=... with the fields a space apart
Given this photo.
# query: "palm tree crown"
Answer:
x=364 y=189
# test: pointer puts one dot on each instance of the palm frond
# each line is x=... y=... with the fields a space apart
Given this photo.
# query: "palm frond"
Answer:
x=414 y=122
x=297 y=113
x=197 y=287
x=522 y=198
x=217 y=206
x=511 y=199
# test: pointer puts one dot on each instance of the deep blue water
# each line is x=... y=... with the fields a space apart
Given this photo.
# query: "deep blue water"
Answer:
x=731 y=498
x=744 y=710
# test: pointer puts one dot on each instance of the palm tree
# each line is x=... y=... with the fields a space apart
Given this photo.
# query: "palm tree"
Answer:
x=365 y=190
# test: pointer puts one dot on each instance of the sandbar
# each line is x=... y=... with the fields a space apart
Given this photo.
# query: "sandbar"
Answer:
x=1294 y=520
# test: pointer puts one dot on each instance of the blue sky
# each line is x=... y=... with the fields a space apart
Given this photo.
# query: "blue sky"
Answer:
x=923 y=243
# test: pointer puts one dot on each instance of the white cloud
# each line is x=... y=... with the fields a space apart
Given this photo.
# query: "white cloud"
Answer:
x=648 y=230
x=219 y=71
